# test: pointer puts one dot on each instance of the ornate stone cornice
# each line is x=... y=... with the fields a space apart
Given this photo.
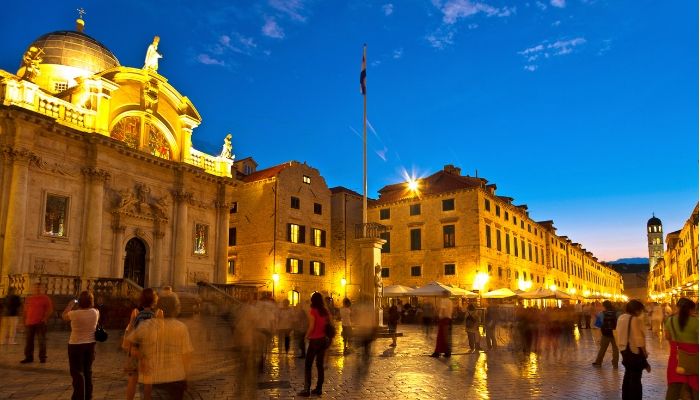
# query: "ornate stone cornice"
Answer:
x=18 y=154
x=94 y=173
x=181 y=195
x=53 y=167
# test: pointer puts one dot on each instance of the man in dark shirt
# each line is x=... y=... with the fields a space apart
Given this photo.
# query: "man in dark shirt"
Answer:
x=608 y=324
x=10 y=317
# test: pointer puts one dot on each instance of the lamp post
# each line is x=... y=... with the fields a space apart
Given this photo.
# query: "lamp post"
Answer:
x=275 y=279
x=344 y=283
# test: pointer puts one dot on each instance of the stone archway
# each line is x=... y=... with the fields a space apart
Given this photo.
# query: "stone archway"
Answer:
x=135 y=261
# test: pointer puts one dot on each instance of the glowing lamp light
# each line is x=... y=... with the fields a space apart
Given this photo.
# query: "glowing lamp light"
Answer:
x=553 y=288
x=480 y=281
x=275 y=277
x=343 y=282
x=586 y=293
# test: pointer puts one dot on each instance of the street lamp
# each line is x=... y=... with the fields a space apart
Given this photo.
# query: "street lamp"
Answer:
x=275 y=279
x=343 y=283
x=480 y=281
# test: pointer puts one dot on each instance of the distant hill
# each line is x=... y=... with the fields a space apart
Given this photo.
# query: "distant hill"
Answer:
x=632 y=260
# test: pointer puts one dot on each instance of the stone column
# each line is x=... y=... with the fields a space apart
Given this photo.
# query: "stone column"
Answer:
x=92 y=239
x=222 y=215
x=156 y=274
x=370 y=256
x=118 y=251
x=13 y=248
x=183 y=240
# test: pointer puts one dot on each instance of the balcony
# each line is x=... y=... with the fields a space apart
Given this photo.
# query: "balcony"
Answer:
x=370 y=230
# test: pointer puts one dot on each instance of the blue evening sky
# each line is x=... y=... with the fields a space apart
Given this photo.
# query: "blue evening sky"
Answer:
x=586 y=110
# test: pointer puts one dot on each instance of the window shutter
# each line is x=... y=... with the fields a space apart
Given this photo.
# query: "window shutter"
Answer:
x=323 y=269
x=302 y=234
x=289 y=265
x=301 y=266
x=289 y=232
x=323 y=239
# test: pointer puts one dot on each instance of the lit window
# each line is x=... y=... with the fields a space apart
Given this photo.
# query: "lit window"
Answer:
x=296 y=233
x=293 y=298
x=317 y=268
x=201 y=239
x=232 y=267
x=319 y=237
x=307 y=180
x=295 y=266
x=56 y=211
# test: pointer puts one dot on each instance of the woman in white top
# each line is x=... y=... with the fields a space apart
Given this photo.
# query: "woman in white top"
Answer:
x=631 y=334
x=81 y=344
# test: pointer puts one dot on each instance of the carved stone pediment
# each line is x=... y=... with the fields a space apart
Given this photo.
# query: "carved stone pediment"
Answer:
x=138 y=202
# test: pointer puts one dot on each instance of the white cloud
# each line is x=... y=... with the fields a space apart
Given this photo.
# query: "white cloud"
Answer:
x=292 y=8
x=441 y=39
x=397 y=53
x=561 y=47
x=247 y=42
x=546 y=50
x=556 y=23
x=272 y=29
x=206 y=59
x=531 y=50
x=454 y=10
x=473 y=26
x=558 y=3
x=388 y=9
x=530 y=68
x=541 y=5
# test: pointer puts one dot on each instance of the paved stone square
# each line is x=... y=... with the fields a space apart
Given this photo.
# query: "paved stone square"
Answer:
x=404 y=372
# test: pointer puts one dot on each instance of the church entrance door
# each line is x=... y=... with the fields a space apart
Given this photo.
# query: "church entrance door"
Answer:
x=135 y=261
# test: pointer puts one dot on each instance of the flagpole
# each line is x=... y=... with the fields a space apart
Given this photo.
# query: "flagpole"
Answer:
x=364 y=154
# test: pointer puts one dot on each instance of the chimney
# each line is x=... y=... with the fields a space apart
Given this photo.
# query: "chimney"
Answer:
x=451 y=169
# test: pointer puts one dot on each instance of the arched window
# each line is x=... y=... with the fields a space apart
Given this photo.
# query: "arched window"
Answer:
x=128 y=130
x=157 y=143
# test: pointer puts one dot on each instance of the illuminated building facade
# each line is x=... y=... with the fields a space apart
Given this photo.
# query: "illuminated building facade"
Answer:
x=455 y=229
x=99 y=178
x=676 y=274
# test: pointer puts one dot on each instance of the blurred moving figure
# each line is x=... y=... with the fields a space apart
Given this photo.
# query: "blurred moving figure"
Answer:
x=364 y=332
x=10 y=317
x=472 y=322
x=346 y=323
x=285 y=322
x=165 y=352
x=443 y=344
x=319 y=317
x=394 y=316
x=428 y=318
x=490 y=320
x=81 y=344
x=301 y=323
x=37 y=310
x=682 y=333
x=145 y=311
x=657 y=318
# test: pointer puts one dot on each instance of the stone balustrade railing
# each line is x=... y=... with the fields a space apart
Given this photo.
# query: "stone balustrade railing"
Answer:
x=53 y=284
x=215 y=165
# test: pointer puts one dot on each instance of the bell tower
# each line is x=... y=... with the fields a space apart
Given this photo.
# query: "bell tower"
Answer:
x=655 y=239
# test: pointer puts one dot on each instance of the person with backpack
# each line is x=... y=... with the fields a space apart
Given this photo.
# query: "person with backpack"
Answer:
x=681 y=331
x=608 y=324
x=472 y=322
x=319 y=334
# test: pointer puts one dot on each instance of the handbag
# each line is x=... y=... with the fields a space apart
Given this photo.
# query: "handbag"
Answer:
x=687 y=362
x=100 y=334
x=629 y=358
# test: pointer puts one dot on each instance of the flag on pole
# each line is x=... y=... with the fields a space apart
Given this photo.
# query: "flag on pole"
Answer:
x=363 y=73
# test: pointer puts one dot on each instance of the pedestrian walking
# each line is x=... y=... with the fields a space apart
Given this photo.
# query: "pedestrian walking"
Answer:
x=472 y=321
x=657 y=318
x=631 y=334
x=682 y=334
x=301 y=323
x=83 y=319
x=578 y=310
x=587 y=315
x=346 y=324
x=443 y=344
x=38 y=308
x=428 y=318
x=608 y=325
x=392 y=323
x=285 y=322
x=319 y=318
x=145 y=311
x=490 y=320
x=165 y=352
x=10 y=318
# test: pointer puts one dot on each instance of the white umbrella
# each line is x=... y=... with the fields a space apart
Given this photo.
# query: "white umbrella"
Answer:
x=434 y=289
x=544 y=294
x=499 y=294
x=396 y=290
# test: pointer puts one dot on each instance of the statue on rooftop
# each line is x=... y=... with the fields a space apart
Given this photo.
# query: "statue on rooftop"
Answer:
x=227 y=149
x=152 y=56
x=30 y=62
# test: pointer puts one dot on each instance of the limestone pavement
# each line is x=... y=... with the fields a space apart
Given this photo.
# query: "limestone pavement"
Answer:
x=403 y=372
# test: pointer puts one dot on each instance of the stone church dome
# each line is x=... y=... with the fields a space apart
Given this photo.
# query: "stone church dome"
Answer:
x=653 y=221
x=75 y=49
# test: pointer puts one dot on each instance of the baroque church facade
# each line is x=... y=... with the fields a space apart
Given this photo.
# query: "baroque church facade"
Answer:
x=98 y=175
